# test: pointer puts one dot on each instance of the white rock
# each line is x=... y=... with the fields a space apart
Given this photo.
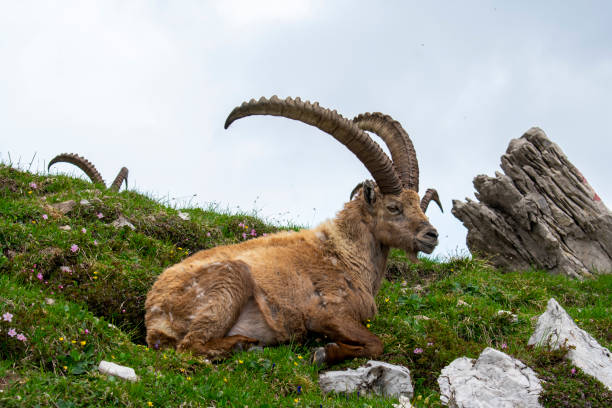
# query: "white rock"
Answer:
x=462 y=303
x=122 y=222
x=375 y=377
x=555 y=326
x=495 y=380
x=184 y=216
x=65 y=228
x=511 y=316
x=49 y=301
x=404 y=402
x=127 y=373
x=85 y=203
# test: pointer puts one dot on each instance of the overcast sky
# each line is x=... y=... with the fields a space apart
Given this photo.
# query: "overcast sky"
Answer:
x=148 y=85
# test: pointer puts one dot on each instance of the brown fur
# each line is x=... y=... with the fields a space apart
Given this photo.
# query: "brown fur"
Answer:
x=272 y=289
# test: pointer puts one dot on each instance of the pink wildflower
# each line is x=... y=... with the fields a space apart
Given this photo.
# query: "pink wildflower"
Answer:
x=7 y=317
x=21 y=337
x=418 y=350
x=208 y=234
x=60 y=286
x=122 y=310
x=39 y=276
x=74 y=248
x=264 y=234
x=244 y=235
x=241 y=225
x=253 y=233
x=100 y=215
x=573 y=371
x=504 y=346
x=429 y=344
x=83 y=230
x=12 y=332
x=33 y=185
x=95 y=242
x=45 y=217
x=86 y=331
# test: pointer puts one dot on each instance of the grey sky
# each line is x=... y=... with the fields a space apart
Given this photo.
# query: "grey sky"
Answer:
x=149 y=84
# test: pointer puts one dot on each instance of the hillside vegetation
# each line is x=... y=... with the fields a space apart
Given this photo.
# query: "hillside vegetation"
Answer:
x=72 y=291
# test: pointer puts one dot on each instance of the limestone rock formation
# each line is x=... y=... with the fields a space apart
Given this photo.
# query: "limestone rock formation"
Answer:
x=555 y=328
x=541 y=212
x=495 y=380
x=375 y=377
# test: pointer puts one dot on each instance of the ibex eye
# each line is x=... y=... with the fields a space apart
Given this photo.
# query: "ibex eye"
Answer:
x=394 y=209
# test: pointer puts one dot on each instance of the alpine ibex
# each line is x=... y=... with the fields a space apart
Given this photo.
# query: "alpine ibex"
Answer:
x=276 y=288
x=89 y=169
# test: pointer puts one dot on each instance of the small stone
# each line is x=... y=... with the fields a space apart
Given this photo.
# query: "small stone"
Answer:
x=375 y=377
x=404 y=402
x=64 y=207
x=65 y=228
x=556 y=328
x=495 y=380
x=184 y=216
x=85 y=203
x=123 y=222
x=511 y=316
x=49 y=301
x=421 y=317
x=462 y=303
x=127 y=373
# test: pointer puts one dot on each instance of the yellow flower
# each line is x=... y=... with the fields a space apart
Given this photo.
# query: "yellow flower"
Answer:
x=150 y=403
x=296 y=400
x=83 y=343
x=30 y=192
x=368 y=325
x=61 y=339
x=73 y=341
x=95 y=277
x=224 y=379
x=188 y=378
x=419 y=397
x=300 y=357
x=95 y=272
x=386 y=299
x=180 y=248
x=240 y=361
x=65 y=368
x=33 y=222
x=182 y=370
x=295 y=363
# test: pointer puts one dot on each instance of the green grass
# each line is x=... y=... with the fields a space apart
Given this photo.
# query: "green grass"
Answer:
x=95 y=294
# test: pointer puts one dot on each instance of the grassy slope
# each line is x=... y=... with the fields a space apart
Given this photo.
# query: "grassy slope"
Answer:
x=98 y=292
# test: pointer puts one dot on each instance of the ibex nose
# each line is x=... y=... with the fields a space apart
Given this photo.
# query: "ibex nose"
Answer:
x=427 y=239
x=432 y=234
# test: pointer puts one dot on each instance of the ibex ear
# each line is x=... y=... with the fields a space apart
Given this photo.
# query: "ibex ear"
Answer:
x=369 y=192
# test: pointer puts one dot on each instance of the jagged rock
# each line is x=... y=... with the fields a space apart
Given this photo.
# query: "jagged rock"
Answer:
x=495 y=380
x=64 y=207
x=375 y=377
x=123 y=222
x=555 y=327
x=541 y=212
x=127 y=373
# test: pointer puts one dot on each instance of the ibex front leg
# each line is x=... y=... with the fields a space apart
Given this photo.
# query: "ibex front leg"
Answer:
x=351 y=339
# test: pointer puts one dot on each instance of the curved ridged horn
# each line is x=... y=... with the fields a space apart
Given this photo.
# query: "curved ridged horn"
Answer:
x=81 y=162
x=398 y=142
x=331 y=122
x=430 y=194
x=123 y=175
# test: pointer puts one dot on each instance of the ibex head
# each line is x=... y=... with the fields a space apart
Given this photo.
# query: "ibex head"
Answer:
x=89 y=169
x=391 y=204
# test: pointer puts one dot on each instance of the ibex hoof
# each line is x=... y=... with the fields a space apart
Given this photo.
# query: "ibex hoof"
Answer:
x=318 y=357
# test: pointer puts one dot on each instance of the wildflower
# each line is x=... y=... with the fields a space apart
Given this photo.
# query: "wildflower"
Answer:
x=253 y=233
x=30 y=192
x=65 y=368
x=33 y=222
x=146 y=349
x=61 y=339
x=33 y=185
x=419 y=397
x=240 y=361
x=241 y=225
x=95 y=277
x=150 y=403
x=296 y=400
x=504 y=346
x=244 y=235
x=299 y=389
x=100 y=215
x=386 y=300
x=83 y=230
x=295 y=363
x=95 y=242
x=300 y=357
x=368 y=325
x=95 y=272
x=573 y=371
x=122 y=310
x=182 y=370
x=12 y=333
x=39 y=276
x=429 y=344
x=60 y=286
x=73 y=341
x=224 y=379
x=188 y=378
x=7 y=317
x=83 y=343
x=418 y=350
x=208 y=234
x=65 y=269
x=86 y=331
x=21 y=337
x=45 y=217
x=264 y=234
